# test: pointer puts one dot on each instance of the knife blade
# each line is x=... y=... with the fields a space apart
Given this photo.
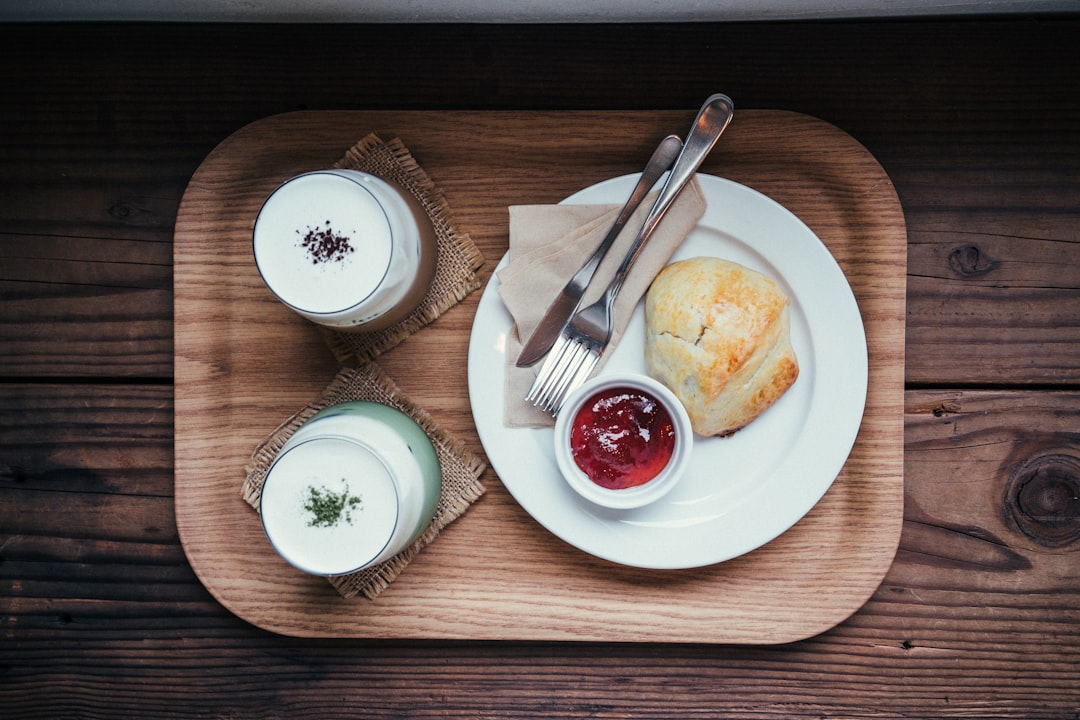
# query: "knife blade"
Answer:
x=566 y=302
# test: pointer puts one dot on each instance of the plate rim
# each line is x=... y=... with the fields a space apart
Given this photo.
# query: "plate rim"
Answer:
x=711 y=186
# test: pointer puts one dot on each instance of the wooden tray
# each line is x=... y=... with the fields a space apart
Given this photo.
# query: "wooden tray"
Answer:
x=244 y=363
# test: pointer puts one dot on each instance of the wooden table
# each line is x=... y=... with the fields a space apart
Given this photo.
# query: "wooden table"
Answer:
x=976 y=122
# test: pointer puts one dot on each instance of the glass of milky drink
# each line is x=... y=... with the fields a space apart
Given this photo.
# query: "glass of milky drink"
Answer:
x=354 y=486
x=345 y=249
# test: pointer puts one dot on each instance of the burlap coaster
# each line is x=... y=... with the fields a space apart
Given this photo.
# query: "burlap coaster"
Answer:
x=455 y=270
x=460 y=468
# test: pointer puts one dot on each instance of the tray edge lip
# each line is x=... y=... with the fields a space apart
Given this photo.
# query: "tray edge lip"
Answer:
x=886 y=559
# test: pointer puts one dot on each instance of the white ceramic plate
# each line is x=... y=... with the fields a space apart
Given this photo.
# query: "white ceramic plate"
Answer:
x=740 y=492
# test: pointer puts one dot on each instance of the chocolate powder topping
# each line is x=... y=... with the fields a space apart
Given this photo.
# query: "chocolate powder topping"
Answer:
x=324 y=245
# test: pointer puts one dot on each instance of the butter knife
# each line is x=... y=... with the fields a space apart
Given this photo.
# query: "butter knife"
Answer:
x=566 y=302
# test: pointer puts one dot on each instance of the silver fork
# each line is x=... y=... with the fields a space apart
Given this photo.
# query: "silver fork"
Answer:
x=586 y=335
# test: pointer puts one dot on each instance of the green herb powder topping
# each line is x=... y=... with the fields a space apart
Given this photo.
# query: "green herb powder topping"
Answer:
x=329 y=508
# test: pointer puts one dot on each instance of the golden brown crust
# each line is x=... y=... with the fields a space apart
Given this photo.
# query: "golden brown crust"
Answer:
x=718 y=335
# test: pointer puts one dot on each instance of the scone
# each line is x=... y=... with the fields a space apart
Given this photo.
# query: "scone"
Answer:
x=718 y=335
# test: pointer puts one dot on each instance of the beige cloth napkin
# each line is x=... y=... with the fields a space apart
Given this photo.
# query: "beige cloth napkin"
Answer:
x=548 y=243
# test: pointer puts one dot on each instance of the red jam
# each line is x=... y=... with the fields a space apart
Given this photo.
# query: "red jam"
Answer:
x=622 y=437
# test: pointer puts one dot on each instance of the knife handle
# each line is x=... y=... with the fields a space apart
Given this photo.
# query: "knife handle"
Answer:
x=658 y=164
x=712 y=119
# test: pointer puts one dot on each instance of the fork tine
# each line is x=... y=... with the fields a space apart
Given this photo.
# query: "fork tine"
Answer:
x=542 y=377
x=567 y=364
x=553 y=366
x=567 y=370
x=573 y=357
x=583 y=361
x=586 y=366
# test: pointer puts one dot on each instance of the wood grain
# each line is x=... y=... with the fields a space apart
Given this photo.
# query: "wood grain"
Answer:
x=98 y=597
x=103 y=125
x=966 y=118
x=244 y=364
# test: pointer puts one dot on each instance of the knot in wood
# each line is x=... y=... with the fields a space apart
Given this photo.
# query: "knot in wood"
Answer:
x=120 y=211
x=946 y=407
x=1042 y=498
x=969 y=261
